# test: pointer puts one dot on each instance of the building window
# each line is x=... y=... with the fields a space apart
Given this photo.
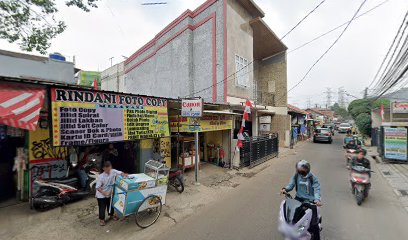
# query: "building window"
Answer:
x=241 y=72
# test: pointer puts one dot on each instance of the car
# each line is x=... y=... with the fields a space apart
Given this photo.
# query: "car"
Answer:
x=330 y=126
x=344 y=128
x=322 y=135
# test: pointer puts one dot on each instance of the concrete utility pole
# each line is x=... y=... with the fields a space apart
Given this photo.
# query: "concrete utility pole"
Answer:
x=366 y=93
x=341 y=99
x=328 y=97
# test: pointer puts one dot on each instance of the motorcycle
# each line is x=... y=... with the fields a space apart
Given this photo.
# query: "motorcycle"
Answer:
x=360 y=182
x=295 y=219
x=57 y=192
x=176 y=180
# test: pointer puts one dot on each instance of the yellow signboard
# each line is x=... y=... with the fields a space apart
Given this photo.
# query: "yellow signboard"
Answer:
x=85 y=117
x=206 y=123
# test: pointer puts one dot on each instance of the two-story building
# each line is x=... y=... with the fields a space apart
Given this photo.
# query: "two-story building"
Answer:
x=224 y=52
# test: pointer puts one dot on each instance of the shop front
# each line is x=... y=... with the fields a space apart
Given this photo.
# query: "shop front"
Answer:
x=44 y=128
x=214 y=139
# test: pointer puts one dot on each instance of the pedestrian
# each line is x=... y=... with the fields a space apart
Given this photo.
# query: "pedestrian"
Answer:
x=82 y=175
x=104 y=188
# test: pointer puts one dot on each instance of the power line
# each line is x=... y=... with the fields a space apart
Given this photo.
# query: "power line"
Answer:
x=304 y=18
x=388 y=52
x=341 y=25
x=330 y=47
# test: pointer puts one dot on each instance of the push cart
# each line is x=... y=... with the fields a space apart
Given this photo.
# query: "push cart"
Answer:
x=143 y=194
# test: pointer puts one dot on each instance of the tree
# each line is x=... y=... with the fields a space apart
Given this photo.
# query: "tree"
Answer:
x=32 y=23
x=340 y=111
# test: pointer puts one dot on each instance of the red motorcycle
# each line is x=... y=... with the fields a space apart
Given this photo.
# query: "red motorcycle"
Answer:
x=176 y=180
x=360 y=182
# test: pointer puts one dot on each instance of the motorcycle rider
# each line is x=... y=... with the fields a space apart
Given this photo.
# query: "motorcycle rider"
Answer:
x=307 y=191
x=361 y=160
x=351 y=145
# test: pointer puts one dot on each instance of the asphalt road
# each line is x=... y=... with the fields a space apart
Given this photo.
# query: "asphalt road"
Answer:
x=251 y=210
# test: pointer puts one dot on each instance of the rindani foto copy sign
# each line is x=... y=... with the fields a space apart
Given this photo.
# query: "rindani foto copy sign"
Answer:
x=84 y=117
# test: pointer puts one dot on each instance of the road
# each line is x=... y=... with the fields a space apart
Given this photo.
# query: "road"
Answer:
x=251 y=210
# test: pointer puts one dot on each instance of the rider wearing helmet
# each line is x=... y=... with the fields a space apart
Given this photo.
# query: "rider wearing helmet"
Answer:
x=307 y=191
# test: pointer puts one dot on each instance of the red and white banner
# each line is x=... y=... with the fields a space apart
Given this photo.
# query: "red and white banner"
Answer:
x=20 y=106
x=247 y=111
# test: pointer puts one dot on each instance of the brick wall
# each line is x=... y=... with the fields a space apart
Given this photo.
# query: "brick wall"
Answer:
x=272 y=81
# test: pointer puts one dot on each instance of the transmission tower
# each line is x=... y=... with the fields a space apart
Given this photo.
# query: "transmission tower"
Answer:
x=341 y=98
x=309 y=103
x=328 y=97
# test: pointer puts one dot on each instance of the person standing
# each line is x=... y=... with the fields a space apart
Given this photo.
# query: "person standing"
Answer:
x=82 y=175
x=104 y=188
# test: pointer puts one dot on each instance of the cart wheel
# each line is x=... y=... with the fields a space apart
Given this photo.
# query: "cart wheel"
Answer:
x=148 y=211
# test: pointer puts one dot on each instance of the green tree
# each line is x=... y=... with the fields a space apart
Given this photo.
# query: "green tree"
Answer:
x=340 y=111
x=32 y=23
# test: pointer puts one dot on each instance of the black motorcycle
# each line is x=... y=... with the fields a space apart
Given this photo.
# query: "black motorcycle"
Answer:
x=57 y=192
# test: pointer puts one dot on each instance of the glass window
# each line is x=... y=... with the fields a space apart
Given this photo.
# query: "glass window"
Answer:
x=241 y=71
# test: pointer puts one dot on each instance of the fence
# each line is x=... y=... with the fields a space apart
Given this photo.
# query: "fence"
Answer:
x=259 y=149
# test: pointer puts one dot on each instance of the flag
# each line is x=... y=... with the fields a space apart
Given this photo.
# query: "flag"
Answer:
x=382 y=113
x=95 y=84
x=247 y=111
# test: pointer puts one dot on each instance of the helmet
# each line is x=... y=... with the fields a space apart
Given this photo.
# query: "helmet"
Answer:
x=303 y=164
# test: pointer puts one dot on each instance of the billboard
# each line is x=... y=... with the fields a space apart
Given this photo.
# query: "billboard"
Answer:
x=86 y=78
x=84 y=117
x=395 y=143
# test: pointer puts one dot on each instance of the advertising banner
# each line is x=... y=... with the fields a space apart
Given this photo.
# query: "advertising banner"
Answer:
x=192 y=107
x=84 y=117
x=204 y=124
x=399 y=107
x=395 y=143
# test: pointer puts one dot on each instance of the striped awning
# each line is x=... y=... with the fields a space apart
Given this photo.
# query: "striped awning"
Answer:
x=20 y=105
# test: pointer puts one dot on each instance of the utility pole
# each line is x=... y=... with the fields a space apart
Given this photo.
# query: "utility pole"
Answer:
x=111 y=58
x=365 y=93
x=328 y=97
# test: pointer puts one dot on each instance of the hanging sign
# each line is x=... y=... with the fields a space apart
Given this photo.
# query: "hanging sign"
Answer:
x=395 y=143
x=84 y=117
x=192 y=107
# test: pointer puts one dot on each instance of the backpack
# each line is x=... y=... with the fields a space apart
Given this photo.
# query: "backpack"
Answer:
x=296 y=180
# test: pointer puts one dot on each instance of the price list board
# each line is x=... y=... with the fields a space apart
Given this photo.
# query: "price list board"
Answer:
x=83 y=117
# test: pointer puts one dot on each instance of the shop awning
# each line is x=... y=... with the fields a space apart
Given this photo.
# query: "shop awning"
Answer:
x=20 y=105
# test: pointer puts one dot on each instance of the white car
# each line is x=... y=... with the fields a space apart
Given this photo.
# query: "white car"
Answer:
x=344 y=127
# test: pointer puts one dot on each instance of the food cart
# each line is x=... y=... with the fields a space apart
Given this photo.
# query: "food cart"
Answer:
x=142 y=194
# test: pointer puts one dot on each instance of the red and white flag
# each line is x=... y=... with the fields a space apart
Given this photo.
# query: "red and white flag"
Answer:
x=247 y=111
x=20 y=106
x=382 y=113
x=95 y=84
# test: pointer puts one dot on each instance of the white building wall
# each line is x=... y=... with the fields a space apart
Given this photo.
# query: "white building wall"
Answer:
x=113 y=78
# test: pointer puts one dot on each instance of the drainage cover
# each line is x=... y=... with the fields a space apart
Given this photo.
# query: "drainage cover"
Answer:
x=386 y=173
x=403 y=192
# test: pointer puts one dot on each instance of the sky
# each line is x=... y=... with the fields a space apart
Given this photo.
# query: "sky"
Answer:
x=119 y=27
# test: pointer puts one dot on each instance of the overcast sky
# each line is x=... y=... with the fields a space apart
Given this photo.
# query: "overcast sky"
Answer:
x=119 y=27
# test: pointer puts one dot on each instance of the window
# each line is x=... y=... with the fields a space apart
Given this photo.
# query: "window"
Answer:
x=241 y=71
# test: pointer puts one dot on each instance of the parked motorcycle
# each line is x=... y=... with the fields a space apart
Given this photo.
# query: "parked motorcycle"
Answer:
x=176 y=180
x=56 y=192
x=360 y=182
x=295 y=219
